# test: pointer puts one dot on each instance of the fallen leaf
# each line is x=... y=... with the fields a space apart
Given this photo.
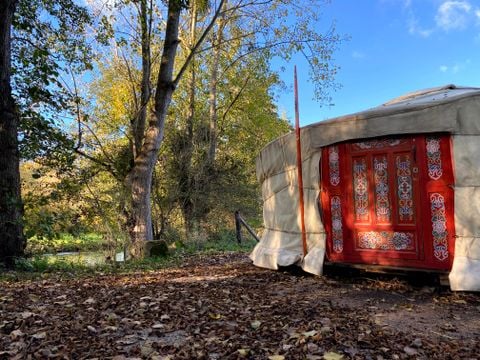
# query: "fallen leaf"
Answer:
x=325 y=329
x=276 y=357
x=16 y=334
x=309 y=333
x=215 y=316
x=243 y=352
x=417 y=343
x=40 y=335
x=91 y=329
x=410 y=351
x=255 y=324
x=26 y=314
x=332 y=356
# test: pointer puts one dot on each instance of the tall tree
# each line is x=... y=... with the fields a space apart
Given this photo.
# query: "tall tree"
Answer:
x=49 y=45
x=245 y=34
x=139 y=180
x=12 y=242
x=38 y=40
x=148 y=121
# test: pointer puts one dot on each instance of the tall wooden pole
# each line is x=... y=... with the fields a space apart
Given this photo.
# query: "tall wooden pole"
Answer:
x=299 y=167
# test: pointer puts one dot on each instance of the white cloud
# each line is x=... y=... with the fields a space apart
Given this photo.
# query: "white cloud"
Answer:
x=453 y=15
x=358 y=55
x=415 y=29
x=455 y=68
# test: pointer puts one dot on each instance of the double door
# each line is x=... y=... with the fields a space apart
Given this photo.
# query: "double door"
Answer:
x=389 y=201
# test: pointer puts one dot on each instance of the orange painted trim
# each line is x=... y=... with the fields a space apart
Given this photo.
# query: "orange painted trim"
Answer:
x=299 y=167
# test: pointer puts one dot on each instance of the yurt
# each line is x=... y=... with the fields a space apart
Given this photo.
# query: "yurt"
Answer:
x=394 y=186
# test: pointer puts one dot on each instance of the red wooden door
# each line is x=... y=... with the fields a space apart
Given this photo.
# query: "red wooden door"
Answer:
x=389 y=201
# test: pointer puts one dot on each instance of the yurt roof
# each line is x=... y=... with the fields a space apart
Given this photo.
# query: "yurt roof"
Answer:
x=450 y=109
x=412 y=101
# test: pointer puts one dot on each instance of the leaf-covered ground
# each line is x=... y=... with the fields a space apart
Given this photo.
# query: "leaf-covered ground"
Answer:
x=222 y=307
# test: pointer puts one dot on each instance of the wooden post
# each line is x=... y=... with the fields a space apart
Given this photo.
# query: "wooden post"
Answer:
x=299 y=167
x=249 y=229
x=238 y=227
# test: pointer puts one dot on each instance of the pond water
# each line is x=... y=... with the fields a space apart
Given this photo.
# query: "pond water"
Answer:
x=85 y=258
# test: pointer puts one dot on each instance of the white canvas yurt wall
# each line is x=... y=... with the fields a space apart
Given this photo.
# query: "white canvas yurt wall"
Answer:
x=448 y=109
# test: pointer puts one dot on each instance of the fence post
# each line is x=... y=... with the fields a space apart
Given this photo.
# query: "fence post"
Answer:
x=238 y=226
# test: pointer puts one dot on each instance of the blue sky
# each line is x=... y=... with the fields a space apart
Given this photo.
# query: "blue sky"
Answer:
x=395 y=46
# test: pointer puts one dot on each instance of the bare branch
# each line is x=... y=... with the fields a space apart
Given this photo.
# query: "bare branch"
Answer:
x=226 y=41
x=132 y=81
x=235 y=99
x=102 y=149
x=198 y=44
x=265 y=47
x=108 y=167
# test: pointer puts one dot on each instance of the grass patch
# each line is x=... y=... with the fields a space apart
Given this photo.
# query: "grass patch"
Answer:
x=45 y=266
x=67 y=243
x=218 y=245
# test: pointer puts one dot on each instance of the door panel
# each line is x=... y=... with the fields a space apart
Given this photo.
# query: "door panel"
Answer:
x=381 y=175
x=389 y=201
x=384 y=200
x=404 y=185
x=361 y=191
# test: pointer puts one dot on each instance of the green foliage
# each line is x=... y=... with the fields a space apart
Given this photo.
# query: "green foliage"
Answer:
x=66 y=243
x=49 y=47
x=222 y=241
x=39 y=266
x=61 y=210
x=44 y=265
x=49 y=210
x=189 y=190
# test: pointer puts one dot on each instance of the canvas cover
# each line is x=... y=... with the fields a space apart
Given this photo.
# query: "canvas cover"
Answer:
x=451 y=109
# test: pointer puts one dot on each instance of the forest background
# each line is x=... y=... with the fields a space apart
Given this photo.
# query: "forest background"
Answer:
x=141 y=120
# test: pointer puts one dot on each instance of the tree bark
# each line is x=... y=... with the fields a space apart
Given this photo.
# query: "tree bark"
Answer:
x=145 y=92
x=186 y=182
x=139 y=180
x=213 y=113
x=12 y=241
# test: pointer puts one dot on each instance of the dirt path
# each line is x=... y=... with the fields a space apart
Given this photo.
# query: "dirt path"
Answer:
x=222 y=307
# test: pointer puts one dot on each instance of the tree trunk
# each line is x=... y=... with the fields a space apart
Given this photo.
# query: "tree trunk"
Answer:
x=186 y=175
x=216 y=44
x=145 y=92
x=12 y=242
x=139 y=180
